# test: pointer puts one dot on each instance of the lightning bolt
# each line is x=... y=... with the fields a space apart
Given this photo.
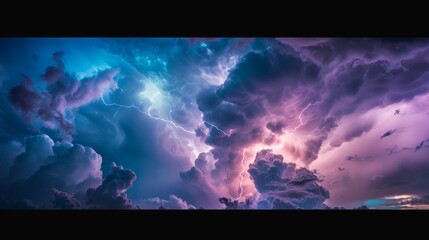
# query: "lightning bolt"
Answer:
x=148 y=113
x=214 y=126
x=220 y=130
x=164 y=120
x=243 y=169
x=301 y=123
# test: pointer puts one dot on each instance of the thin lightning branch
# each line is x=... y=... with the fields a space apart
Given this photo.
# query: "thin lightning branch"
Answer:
x=163 y=120
x=146 y=113
x=214 y=126
x=301 y=123
x=300 y=115
x=156 y=118
x=220 y=130
x=116 y=112
x=121 y=106
x=151 y=101
x=243 y=169
x=183 y=107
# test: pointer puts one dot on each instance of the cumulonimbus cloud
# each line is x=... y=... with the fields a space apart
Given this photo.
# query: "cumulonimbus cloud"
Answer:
x=63 y=93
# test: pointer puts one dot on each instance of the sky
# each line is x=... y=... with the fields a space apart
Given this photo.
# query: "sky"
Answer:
x=214 y=123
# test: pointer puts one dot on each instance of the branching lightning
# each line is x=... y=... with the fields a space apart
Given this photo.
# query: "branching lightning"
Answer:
x=301 y=122
x=243 y=169
x=148 y=113
x=145 y=113
x=214 y=126
x=164 y=120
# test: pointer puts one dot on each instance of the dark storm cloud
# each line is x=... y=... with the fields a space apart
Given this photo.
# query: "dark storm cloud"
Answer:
x=258 y=82
x=361 y=85
x=279 y=204
x=259 y=73
x=37 y=150
x=276 y=127
x=227 y=115
x=7 y=203
x=367 y=48
x=63 y=93
x=198 y=190
x=8 y=152
x=43 y=166
x=111 y=193
x=25 y=97
x=283 y=185
x=235 y=204
x=55 y=73
x=67 y=176
x=202 y=163
x=12 y=124
x=63 y=200
x=73 y=168
x=207 y=99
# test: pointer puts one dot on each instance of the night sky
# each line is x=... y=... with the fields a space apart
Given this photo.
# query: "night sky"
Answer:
x=214 y=123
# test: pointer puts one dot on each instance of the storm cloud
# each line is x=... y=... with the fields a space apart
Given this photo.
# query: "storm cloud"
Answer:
x=45 y=165
x=111 y=193
x=283 y=185
x=64 y=92
x=193 y=119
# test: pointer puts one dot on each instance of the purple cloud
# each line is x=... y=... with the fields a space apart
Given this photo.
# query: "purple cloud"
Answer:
x=283 y=186
x=63 y=93
x=198 y=189
x=44 y=165
x=25 y=97
x=63 y=200
x=111 y=193
x=37 y=150
x=276 y=127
